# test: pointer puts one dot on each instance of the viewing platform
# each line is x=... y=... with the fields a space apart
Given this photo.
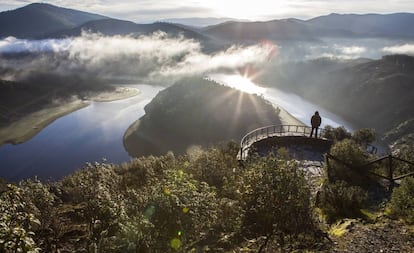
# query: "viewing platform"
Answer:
x=270 y=138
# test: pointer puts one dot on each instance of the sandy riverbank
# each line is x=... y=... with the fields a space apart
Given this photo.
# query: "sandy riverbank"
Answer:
x=27 y=127
x=118 y=94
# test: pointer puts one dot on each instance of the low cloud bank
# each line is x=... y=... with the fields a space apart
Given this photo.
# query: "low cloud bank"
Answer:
x=336 y=51
x=155 y=57
x=400 y=49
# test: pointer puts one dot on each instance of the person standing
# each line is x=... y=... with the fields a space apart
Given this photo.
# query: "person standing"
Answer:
x=315 y=122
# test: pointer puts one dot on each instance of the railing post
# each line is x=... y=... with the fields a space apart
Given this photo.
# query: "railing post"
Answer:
x=328 y=167
x=390 y=172
x=241 y=153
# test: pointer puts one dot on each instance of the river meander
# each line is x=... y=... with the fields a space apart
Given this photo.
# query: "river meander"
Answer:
x=96 y=132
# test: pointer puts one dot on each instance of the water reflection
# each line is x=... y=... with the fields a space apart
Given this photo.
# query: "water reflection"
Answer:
x=303 y=109
x=294 y=104
x=90 y=134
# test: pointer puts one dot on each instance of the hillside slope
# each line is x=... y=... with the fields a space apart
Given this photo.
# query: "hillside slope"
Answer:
x=196 y=112
x=122 y=27
x=38 y=19
x=369 y=93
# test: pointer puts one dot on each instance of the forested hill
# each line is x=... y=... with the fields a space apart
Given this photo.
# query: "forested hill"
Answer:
x=195 y=111
x=369 y=93
x=38 y=19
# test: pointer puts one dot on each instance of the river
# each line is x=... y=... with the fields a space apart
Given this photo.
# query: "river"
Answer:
x=294 y=104
x=95 y=133
x=87 y=135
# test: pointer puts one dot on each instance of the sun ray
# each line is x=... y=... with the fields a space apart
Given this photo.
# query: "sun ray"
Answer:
x=241 y=83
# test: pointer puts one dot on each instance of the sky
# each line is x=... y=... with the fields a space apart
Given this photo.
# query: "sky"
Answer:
x=143 y=11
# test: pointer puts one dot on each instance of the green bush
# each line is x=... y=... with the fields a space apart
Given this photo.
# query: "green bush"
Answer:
x=214 y=166
x=182 y=211
x=336 y=134
x=16 y=223
x=276 y=200
x=340 y=200
x=351 y=168
x=402 y=200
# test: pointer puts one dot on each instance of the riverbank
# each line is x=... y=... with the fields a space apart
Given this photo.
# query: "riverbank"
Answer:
x=30 y=125
x=288 y=119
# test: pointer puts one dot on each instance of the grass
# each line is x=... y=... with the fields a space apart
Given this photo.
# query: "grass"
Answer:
x=340 y=228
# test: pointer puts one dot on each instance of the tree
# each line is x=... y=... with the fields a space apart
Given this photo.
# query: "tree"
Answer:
x=364 y=136
x=336 y=134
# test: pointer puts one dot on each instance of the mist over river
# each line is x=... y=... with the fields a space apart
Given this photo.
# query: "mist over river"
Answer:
x=96 y=132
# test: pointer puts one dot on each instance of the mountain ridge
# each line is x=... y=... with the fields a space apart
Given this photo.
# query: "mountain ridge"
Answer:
x=39 y=18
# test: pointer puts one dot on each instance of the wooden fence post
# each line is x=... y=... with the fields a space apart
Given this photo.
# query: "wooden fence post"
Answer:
x=328 y=167
x=390 y=172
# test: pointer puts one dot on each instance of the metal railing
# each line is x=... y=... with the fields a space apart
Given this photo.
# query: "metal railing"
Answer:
x=272 y=131
x=390 y=168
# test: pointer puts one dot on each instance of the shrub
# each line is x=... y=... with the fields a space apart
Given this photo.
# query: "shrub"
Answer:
x=340 y=200
x=215 y=166
x=336 y=134
x=402 y=200
x=16 y=223
x=354 y=157
x=276 y=200
x=182 y=211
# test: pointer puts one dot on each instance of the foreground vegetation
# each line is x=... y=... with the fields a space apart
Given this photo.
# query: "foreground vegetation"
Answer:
x=203 y=201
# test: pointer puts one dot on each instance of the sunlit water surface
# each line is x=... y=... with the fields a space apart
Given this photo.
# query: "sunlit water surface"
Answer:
x=295 y=105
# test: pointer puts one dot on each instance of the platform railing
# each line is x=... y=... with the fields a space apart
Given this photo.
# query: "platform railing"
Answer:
x=272 y=131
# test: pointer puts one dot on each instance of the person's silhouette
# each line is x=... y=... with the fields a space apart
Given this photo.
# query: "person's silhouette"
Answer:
x=315 y=122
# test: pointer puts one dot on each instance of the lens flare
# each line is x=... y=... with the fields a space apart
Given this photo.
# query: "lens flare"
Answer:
x=176 y=243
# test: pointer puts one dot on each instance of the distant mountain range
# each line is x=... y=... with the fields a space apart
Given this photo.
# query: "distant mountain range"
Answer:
x=48 y=21
x=398 y=25
x=201 y=22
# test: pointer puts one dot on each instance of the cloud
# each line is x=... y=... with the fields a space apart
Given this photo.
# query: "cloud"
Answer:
x=153 y=58
x=337 y=51
x=354 y=50
x=400 y=49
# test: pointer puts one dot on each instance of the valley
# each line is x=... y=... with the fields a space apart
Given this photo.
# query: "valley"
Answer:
x=121 y=122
